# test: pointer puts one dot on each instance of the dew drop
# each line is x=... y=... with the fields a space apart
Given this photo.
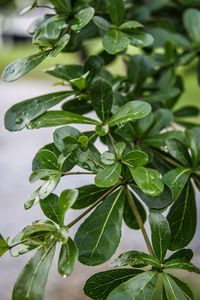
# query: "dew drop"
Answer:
x=19 y=120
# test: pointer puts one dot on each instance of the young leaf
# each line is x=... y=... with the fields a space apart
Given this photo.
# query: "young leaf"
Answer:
x=171 y=288
x=176 y=179
x=40 y=174
x=116 y=11
x=148 y=180
x=194 y=144
x=160 y=234
x=99 y=235
x=99 y=286
x=115 y=41
x=49 y=206
x=82 y=18
x=140 y=39
x=32 y=279
x=60 y=45
x=68 y=258
x=182 y=264
x=3 y=246
x=120 y=147
x=102 y=98
x=20 y=114
x=49 y=186
x=135 y=158
x=48 y=159
x=22 y=66
x=66 y=200
x=131 y=111
x=182 y=218
x=183 y=286
x=191 y=20
x=179 y=151
x=109 y=176
x=186 y=254
x=61 y=135
x=140 y=287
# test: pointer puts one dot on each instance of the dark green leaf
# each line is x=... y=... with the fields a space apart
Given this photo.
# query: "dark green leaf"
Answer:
x=22 y=66
x=160 y=234
x=48 y=159
x=3 y=246
x=68 y=258
x=131 y=111
x=61 y=137
x=176 y=179
x=187 y=111
x=136 y=158
x=148 y=180
x=140 y=39
x=140 y=287
x=191 y=20
x=39 y=174
x=63 y=5
x=102 y=98
x=99 y=235
x=102 y=23
x=187 y=254
x=162 y=118
x=178 y=151
x=66 y=200
x=32 y=279
x=90 y=159
x=109 y=176
x=99 y=286
x=60 y=45
x=182 y=218
x=115 y=41
x=182 y=264
x=78 y=106
x=82 y=18
x=49 y=206
x=194 y=144
x=116 y=11
x=20 y=114
x=162 y=95
x=183 y=286
x=67 y=73
x=172 y=290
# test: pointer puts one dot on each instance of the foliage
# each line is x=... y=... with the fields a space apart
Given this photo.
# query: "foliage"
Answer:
x=152 y=161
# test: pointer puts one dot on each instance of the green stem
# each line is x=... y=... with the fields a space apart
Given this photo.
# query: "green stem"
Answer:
x=24 y=241
x=139 y=220
x=77 y=173
x=92 y=206
x=112 y=141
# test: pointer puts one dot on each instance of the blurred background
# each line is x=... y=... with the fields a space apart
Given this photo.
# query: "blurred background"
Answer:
x=18 y=149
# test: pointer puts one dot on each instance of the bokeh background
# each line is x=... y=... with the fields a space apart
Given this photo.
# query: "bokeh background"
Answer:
x=18 y=149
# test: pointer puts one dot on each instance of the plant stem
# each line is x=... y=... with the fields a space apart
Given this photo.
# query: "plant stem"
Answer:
x=112 y=141
x=77 y=173
x=92 y=206
x=24 y=241
x=139 y=220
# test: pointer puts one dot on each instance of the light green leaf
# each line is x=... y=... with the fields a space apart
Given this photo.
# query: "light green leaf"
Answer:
x=20 y=114
x=140 y=287
x=82 y=18
x=31 y=282
x=60 y=45
x=109 y=176
x=49 y=186
x=148 y=180
x=108 y=158
x=194 y=144
x=181 y=264
x=160 y=234
x=48 y=159
x=49 y=206
x=22 y=66
x=102 y=23
x=39 y=174
x=68 y=258
x=183 y=286
x=66 y=200
x=115 y=41
x=172 y=290
x=120 y=147
x=99 y=235
x=130 y=25
x=140 y=39
x=116 y=11
x=191 y=20
x=131 y=111
x=135 y=158
x=3 y=246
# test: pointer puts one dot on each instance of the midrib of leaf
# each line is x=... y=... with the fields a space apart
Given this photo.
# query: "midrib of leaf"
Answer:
x=171 y=287
x=177 y=177
x=105 y=223
x=110 y=175
x=142 y=288
x=57 y=216
x=36 y=269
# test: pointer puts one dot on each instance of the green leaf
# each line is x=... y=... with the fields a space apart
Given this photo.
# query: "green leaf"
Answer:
x=58 y=118
x=49 y=186
x=49 y=206
x=187 y=111
x=102 y=23
x=176 y=179
x=183 y=286
x=182 y=218
x=60 y=45
x=66 y=72
x=109 y=176
x=61 y=137
x=130 y=25
x=78 y=106
x=135 y=158
x=108 y=158
x=63 y=5
x=140 y=287
x=187 y=254
x=181 y=264
x=178 y=151
x=140 y=39
x=135 y=259
x=22 y=66
x=115 y=41
x=90 y=159
x=131 y=111
x=87 y=195
x=120 y=147
x=160 y=234
x=3 y=246
x=102 y=130
x=20 y=114
x=194 y=144
x=68 y=258
x=116 y=10
x=191 y=21
x=82 y=18
x=40 y=174
x=148 y=180
x=102 y=98
x=172 y=290
x=99 y=235
x=48 y=159
x=66 y=200
x=32 y=279
x=162 y=118
x=99 y=286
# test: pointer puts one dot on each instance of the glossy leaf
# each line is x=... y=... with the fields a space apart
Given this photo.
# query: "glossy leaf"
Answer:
x=140 y=287
x=99 y=235
x=66 y=200
x=3 y=246
x=62 y=5
x=49 y=206
x=136 y=158
x=186 y=254
x=131 y=111
x=60 y=45
x=194 y=144
x=20 y=114
x=130 y=25
x=178 y=151
x=99 y=286
x=22 y=66
x=140 y=39
x=40 y=174
x=48 y=159
x=82 y=18
x=115 y=41
x=160 y=234
x=148 y=180
x=35 y=272
x=101 y=23
x=49 y=186
x=102 y=98
x=116 y=11
x=66 y=72
x=90 y=159
x=61 y=137
x=109 y=176
x=182 y=218
x=191 y=20
x=172 y=290
x=182 y=264
x=68 y=258
x=183 y=286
